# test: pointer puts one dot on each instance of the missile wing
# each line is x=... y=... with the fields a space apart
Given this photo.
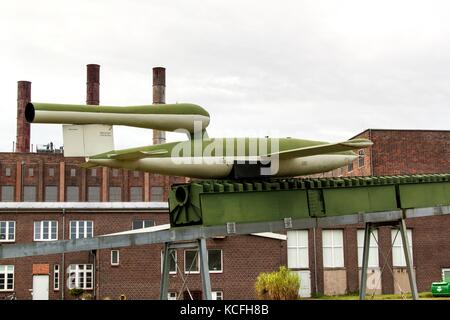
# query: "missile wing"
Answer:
x=322 y=149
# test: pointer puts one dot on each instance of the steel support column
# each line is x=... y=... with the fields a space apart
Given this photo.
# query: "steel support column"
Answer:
x=407 y=252
x=204 y=269
x=165 y=274
x=365 y=261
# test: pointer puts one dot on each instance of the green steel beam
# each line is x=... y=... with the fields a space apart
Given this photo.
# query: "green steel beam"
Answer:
x=217 y=202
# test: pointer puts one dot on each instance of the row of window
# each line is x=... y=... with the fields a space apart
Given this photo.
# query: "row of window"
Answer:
x=81 y=275
x=73 y=194
x=333 y=248
x=72 y=172
x=47 y=230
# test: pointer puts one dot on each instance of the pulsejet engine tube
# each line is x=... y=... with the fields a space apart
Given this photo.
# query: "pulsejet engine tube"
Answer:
x=165 y=117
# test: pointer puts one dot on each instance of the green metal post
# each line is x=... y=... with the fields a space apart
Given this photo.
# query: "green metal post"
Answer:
x=365 y=261
x=165 y=273
x=204 y=269
x=407 y=252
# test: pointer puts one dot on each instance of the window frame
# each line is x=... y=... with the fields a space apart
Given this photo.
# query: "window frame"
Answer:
x=361 y=158
x=115 y=264
x=46 y=192
x=176 y=261
x=77 y=229
x=25 y=192
x=115 y=188
x=360 y=248
x=214 y=295
x=399 y=245
x=9 y=188
x=77 y=271
x=41 y=229
x=99 y=198
x=56 y=277
x=444 y=270
x=298 y=248
x=7 y=233
x=221 y=261
x=7 y=171
x=143 y=223
x=186 y=270
x=333 y=248
x=5 y=273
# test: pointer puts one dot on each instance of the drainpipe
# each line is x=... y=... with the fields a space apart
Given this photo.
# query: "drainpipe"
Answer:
x=62 y=271
x=315 y=259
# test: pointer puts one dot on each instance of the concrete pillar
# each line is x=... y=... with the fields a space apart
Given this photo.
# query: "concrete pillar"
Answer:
x=23 y=127
x=93 y=84
x=159 y=97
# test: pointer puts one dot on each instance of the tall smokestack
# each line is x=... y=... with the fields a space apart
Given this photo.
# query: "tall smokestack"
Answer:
x=93 y=84
x=23 y=127
x=159 y=97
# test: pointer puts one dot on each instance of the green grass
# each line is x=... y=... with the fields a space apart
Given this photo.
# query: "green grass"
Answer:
x=355 y=296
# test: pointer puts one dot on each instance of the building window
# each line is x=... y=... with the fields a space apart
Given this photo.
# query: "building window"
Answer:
x=191 y=261
x=333 y=248
x=29 y=193
x=350 y=167
x=80 y=276
x=56 y=277
x=115 y=194
x=136 y=174
x=446 y=275
x=51 y=194
x=45 y=230
x=215 y=261
x=135 y=194
x=94 y=172
x=398 y=256
x=7 y=172
x=115 y=172
x=297 y=246
x=51 y=172
x=217 y=295
x=7 y=231
x=31 y=172
x=81 y=229
x=73 y=172
x=361 y=158
x=373 y=252
x=172 y=261
x=114 y=257
x=157 y=194
x=6 y=277
x=7 y=193
x=139 y=224
x=72 y=194
x=93 y=194
x=172 y=296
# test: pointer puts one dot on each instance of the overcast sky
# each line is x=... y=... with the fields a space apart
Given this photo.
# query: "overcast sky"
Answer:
x=323 y=70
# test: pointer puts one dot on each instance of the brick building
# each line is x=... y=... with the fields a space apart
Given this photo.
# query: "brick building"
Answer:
x=327 y=260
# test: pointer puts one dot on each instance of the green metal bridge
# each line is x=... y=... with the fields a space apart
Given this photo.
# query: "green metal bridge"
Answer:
x=211 y=203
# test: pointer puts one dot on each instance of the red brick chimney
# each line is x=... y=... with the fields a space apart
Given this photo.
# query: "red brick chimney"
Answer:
x=23 y=127
x=93 y=84
x=159 y=97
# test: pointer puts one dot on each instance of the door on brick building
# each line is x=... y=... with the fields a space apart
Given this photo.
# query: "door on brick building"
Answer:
x=40 y=287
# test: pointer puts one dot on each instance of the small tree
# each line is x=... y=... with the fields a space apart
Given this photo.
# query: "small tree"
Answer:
x=278 y=285
x=76 y=292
